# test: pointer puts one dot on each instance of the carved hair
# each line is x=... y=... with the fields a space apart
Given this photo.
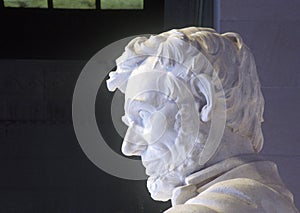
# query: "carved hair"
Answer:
x=230 y=58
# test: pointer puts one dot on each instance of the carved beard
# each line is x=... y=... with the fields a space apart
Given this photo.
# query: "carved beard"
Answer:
x=179 y=159
x=162 y=184
x=161 y=187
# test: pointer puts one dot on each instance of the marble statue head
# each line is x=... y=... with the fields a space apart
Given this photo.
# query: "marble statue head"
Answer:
x=192 y=97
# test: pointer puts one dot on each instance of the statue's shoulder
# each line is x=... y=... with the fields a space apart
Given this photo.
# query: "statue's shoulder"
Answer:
x=247 y=187
x=190 y=208
x=237 y=195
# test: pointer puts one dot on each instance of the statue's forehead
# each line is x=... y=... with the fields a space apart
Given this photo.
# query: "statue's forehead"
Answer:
x=146 y=88
x=142 y=82
x=150 y=99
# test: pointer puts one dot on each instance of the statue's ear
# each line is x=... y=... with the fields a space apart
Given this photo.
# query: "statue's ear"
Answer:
x=202 y=83
x=235 y=38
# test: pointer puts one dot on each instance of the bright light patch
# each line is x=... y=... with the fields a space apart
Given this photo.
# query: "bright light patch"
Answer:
x=26 y=3
x=122 y=4
x=74 y=4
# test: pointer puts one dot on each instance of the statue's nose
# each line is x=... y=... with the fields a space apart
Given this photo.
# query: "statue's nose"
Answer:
x=133 y=143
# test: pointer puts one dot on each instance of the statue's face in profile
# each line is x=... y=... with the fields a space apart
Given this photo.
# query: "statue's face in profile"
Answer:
x=157 y=131
x=151 y=129
x=152 y=132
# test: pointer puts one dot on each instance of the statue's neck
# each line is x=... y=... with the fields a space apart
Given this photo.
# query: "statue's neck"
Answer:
x=231 y=145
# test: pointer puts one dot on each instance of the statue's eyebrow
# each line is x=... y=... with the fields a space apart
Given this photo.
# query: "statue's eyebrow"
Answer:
x=133 y=108
x=137 y=103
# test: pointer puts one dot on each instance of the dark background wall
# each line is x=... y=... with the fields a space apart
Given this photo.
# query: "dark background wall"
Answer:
x=42 y=53
x=41 y=57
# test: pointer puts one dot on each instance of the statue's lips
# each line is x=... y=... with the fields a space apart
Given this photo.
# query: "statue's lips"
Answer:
x=155 y=163
x=154 y=167
x=151 y=167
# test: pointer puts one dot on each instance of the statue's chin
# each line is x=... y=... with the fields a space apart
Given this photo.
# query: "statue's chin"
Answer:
x=159 y=190
x=160 y=197
x=161 y=182
x=161 y=187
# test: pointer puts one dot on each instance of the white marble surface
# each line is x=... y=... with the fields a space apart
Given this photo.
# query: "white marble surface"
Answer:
x=192 y=102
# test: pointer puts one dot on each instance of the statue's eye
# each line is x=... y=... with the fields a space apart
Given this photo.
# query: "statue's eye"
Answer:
x=145 y=118
x=144 y=115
